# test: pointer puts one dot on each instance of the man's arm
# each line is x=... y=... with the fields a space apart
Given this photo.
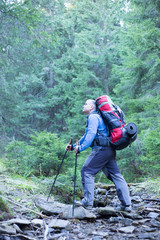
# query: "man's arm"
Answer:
x=89 y=136
x=71 y=147
x=90 y=133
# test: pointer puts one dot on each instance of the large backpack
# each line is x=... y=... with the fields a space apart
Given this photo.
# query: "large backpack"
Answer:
x=120 y=134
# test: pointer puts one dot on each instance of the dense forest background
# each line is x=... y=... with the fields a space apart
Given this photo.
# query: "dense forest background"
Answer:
x=54 y=55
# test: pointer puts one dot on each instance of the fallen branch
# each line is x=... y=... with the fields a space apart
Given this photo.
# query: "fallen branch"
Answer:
x=46 y=230
x=40 y=214
x=23 y=237
x=152 y=209
x=152 y=199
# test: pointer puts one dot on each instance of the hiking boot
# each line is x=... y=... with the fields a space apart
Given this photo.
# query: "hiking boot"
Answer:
x=124 y=208
x=81 y=204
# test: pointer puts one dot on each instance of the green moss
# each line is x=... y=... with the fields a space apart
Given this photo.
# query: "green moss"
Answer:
x=5 y=212
x=152 y=186
x=3 y=205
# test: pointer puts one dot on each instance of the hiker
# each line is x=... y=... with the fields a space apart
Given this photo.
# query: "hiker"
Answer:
x=102 y=158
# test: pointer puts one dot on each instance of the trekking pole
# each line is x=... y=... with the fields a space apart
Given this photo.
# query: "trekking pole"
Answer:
x=70 y=142
x=74 y=182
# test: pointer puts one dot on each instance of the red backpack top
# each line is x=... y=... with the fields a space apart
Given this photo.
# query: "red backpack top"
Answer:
x=120 y=135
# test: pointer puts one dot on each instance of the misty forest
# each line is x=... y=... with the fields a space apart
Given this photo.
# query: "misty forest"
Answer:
x=54 y=55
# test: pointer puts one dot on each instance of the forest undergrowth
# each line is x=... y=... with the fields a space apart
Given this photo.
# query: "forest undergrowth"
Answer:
x=17 y=193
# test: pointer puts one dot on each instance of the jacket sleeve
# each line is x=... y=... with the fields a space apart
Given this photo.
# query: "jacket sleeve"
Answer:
x=80 y=141
x=90 y=133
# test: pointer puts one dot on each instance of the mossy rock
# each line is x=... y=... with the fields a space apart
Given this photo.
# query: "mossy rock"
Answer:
x=5 y=212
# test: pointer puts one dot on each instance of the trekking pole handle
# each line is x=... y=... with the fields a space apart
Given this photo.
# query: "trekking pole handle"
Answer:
x=70 y=141
x=77 y=146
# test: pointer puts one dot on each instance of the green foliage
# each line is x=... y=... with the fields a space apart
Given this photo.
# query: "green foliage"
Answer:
x=138 y=49
x=22 y=25
x=48 y=150
x=152 y=186
x=42 y=156
x=19 y=157
x=151 y=156
x=129 y=162
x=54 y=55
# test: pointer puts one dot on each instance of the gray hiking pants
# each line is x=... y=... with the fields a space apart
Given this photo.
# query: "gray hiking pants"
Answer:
x=103 y=158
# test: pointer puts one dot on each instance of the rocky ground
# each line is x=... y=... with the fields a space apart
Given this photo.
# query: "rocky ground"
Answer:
x=33 y=217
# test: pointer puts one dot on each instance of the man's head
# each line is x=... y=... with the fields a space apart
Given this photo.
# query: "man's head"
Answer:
x=89 y=106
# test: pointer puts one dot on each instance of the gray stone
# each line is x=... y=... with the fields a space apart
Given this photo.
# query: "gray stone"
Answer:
x=136 y=223
x=59 y=223
x=127 y=221
x=97 y=238
x=37 y=222
x=100 y=191
x=114 y=219
x=81 y=236
x=18 y=221
x=151 y=209
x=155 y=223
x=59 y=236
x=4 y=228
x=132 y=215
x=49 y=207
x=144 y=236
x=107 y=211
x=132 y=236
x=129 y=229
x=100 y=233
x=79 y=213
x=76 y=231
x=110 y=211
x=7 y=238
x=17 y=228
x=113 y=229
x=152 y=215
x=144 y=220
x=148 y=229
x=136 y=199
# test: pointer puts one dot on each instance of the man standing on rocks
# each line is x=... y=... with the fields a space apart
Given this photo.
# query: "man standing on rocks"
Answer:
x=102 y=157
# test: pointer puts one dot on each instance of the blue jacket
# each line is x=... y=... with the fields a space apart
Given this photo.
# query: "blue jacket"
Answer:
x=95 y=125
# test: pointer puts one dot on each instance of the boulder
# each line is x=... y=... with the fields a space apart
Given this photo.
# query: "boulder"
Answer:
x=107 y=211
x=37 y=222
x=110 y=211
x=153 y=215
x=128 y=229
x=18 y=221
x=59 y=223
x=49 y=207
x=79 y=213
x=7 y=229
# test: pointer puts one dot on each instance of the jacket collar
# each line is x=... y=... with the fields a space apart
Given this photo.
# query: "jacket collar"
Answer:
x=93 y=112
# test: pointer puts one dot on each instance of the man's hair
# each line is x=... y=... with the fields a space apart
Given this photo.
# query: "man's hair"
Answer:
x=93 y=103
